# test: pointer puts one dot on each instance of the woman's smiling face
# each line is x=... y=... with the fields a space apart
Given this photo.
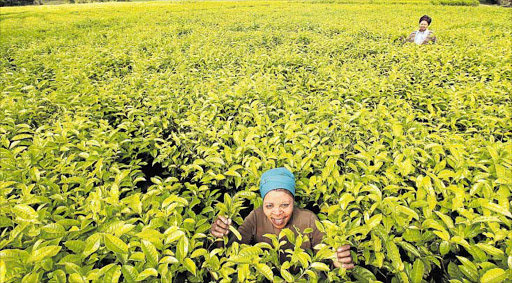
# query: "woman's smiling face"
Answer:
x=423 y=25
x=278 y=207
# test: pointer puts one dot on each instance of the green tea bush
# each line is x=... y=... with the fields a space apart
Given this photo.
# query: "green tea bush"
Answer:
x=125 y=128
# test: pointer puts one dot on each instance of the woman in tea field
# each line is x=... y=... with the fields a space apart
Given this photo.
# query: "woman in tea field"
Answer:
x=277 y=188
x=423 y=35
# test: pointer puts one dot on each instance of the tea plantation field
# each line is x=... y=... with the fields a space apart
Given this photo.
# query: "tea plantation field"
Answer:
x=125 y=128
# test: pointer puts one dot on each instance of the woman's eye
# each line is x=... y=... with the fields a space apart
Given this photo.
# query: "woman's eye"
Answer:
x=268 y=206
x=285 y=205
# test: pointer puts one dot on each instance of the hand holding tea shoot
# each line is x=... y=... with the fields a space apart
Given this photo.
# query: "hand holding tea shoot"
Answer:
x=220 y=226
x=227 y=210
x=343 y=257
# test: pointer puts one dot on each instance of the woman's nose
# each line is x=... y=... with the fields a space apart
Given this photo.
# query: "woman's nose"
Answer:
x=277 y=210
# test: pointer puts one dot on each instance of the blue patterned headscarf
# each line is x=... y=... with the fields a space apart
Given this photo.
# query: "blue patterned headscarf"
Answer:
x=277 y=178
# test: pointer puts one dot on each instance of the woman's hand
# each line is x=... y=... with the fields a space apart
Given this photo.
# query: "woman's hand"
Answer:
x=343 y=257
x=220 y=227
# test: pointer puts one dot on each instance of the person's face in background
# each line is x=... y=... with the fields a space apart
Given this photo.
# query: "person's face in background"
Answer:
x=423 y=25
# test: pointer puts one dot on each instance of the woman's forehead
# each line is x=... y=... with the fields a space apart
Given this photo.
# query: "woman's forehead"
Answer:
x=281 y=201
x=277 y=196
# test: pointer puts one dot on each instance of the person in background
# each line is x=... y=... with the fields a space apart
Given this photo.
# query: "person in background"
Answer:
x=277 y=188
x=423 y=35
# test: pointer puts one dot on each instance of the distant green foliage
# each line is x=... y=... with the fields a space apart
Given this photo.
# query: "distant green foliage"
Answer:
x=457 y=2
x=385 y=2
x=94 y=1
x=5 y=3
x=504 y=3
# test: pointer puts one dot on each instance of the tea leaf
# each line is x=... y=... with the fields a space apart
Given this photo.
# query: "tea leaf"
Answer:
x=182 y=248
x=92 y=244
x=494 y=275
x=235 y=232
x=418 y=270
x=265 y=270
x=44 y=252
x=129 y=273
x=150 y=253
x=287 y=275
x=3 y=270
x=363 y=275
x=190 y=265
x=146 y=273
x=320 y=266
x=496 y=208
x=490 y=249
x=24 y=212
x=115 y=244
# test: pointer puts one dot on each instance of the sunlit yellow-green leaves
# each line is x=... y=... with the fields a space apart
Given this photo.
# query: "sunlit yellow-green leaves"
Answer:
x=126 y=128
